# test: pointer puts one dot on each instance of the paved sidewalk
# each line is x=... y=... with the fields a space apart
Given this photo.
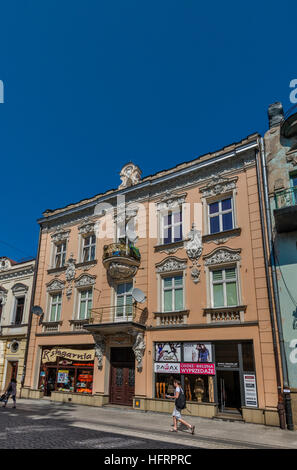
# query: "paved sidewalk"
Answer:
x=149 y=427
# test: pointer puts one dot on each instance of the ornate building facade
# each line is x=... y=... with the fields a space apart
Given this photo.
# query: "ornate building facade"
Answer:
x=16 y=280
x=162 y=278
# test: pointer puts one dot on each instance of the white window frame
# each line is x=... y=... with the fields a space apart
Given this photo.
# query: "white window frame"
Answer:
x=62 y=254
x=172 y=289
x=16 y=297
x=89 y=246
x=220 y=213
x=224 y=281
x=124 y=317
x=165 y=213
x=52 y=295
x=80 y=300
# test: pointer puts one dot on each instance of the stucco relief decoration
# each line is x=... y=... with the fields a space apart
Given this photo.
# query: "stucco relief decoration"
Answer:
x=55 y=286
x=121 y=271
x=19 y=288
x=4 y=264
x=218 y=185
x=130 y=175
x=171 y=201
x=138 y=348
x=87 y=226
x=3 y=295
x=171 y=264
x=194 y=250
x=60 y=235
x=85 y=280
x=70 y=275
x=100 y=346
x=221 y=256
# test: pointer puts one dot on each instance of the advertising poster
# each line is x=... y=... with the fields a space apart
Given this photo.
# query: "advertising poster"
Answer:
x=250 y=390
x=197 y=352
x=168 y=352
x=201 y=369
x=62 y=376
x=167 y=368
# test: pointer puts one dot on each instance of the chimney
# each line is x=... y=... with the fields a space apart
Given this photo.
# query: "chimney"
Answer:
x=275 y=114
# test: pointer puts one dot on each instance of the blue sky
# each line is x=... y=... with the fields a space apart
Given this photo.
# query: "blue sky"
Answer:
x=91 y=85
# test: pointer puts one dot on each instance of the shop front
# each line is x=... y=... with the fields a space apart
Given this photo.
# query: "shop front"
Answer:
x=66 y=369
x=217 y=373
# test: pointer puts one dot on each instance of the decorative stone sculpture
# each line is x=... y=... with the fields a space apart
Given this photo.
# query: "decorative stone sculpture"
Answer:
x=70 y=271
x=194 y=245
x=139 y=348
x=130 y=175
x=100 y=345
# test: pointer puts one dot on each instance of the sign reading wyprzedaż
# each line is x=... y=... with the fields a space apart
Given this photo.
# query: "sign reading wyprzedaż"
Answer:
x=50 y=355
x=194 y=368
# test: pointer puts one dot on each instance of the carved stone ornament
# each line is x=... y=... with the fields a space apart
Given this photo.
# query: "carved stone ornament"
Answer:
x=218 y=185
x=195 y=274
x=70 y=271
x=60 y=235
x=85 y=280
x=55 y=285
x=292 y=158
x=86 y=227
x=171 y=264
x=19 y=288
x=130 y=175
x=121 y=271
x=171 y=201
x=221 y=256
x=3 y=295
x=138 y=348
x=100 y=346
x=194 y=245
x=4 y=264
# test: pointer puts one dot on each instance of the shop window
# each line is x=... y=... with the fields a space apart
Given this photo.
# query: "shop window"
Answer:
x=164 y=384
x=224 y=287
x=199 y=388
x=220 y=215
x=65 y=380
x=248 y=356
x=173 y=293
x=84 y=382
x=171 y=231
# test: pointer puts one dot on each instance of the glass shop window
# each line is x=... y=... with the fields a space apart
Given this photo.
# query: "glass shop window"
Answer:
x=199 y=388
x=226 y=354
x=248 y=357
x=164 y=384
x=84 y=381
x=65 y=380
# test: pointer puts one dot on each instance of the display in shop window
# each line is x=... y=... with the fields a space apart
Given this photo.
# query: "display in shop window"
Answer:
x=168 y=352
x=197 y=352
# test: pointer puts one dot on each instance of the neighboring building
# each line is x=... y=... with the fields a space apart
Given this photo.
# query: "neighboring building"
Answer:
x=16 y=281
x=205 y=317
x=281 y=158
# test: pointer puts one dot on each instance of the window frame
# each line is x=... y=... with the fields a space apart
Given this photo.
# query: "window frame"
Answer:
x=172 y=289
x=220 y=214
x=81 y=291
x=15 y=307
x=52 y=295
x=224 y=281
x=124 y=317
x=62 y=254
x=88 y=247
x=165 y=213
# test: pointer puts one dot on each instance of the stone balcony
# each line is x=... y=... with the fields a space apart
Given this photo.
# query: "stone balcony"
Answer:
x=225 y=314
x=171 y=318
x=121 y=260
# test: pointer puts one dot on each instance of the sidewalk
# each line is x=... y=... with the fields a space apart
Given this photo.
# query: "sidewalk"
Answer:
x=209 y=433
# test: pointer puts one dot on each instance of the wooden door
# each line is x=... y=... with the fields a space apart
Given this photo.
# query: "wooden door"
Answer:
x=14 y=371
x=122 y=384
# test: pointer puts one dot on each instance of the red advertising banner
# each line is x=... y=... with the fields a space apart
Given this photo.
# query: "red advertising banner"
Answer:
x=194 y=368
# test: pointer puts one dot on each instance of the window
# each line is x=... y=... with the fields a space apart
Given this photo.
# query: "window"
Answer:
x=220 y=215
x=85 y=304
x=224 y=287
x=172 y=227
x=19 y=310
x=60 y=256
x=293 y=184
x=124 y=301
x=173 y=294
x=89 y=248
x=56 y=304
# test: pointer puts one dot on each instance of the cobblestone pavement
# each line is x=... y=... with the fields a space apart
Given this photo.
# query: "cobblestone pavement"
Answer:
x=42 y=424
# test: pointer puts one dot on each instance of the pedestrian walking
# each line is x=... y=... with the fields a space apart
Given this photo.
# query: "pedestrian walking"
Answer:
x=10 y=391
x=180 y=401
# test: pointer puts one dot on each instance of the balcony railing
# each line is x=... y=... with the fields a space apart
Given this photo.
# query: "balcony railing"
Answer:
x=120 y=250
x=286 y=198
x=118 y=314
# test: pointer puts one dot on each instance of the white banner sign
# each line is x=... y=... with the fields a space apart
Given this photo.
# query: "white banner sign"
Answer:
x=250 y=390
x=167 y=367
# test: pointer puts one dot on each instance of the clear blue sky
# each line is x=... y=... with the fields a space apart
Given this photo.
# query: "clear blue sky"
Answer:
x=92 y=84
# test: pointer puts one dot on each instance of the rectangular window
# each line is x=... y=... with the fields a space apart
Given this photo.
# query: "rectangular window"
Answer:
x=85 y=305
x=20 y=302
x=220 y=216
x=60 y=257
x=224 y=288
x=56 y=304
x=173 y=294
x=124 y=302
x=89 y=248
x=172 y=226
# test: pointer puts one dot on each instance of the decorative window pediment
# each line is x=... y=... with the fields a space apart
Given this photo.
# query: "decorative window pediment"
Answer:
x=218 y=185
x=3 y=295
x=88 y=226
x=55 y=285
x=85 y=280
x=171 y=264
x=222 y=256
x=19 y=288
x=60 y=235
x=171 y=201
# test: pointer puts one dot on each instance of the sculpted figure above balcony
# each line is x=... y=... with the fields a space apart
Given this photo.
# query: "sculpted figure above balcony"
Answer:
x=121 y=260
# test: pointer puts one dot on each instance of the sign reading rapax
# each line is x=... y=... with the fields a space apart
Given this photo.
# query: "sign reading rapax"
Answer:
x=50 y=355
x=184 y=368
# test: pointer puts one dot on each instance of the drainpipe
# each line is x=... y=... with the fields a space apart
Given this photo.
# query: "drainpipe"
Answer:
x=30 y=311
x=286 y=392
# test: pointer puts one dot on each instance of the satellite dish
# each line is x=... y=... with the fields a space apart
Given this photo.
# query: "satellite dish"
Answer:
x=138 y=295
x=36 y=310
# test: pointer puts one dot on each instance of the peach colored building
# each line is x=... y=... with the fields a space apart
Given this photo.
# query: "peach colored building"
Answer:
x=122 y=316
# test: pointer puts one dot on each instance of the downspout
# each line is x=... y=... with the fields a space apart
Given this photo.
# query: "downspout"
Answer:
x=280 y=404
x=286 y=391
x=30 y=311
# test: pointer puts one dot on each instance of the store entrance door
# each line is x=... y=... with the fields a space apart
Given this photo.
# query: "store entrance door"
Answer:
x=229 y=391
x=122 y=380
x=50 y=381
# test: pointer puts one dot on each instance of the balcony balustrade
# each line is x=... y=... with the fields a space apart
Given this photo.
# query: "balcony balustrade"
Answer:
x=121 y=260
x=286 y=210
